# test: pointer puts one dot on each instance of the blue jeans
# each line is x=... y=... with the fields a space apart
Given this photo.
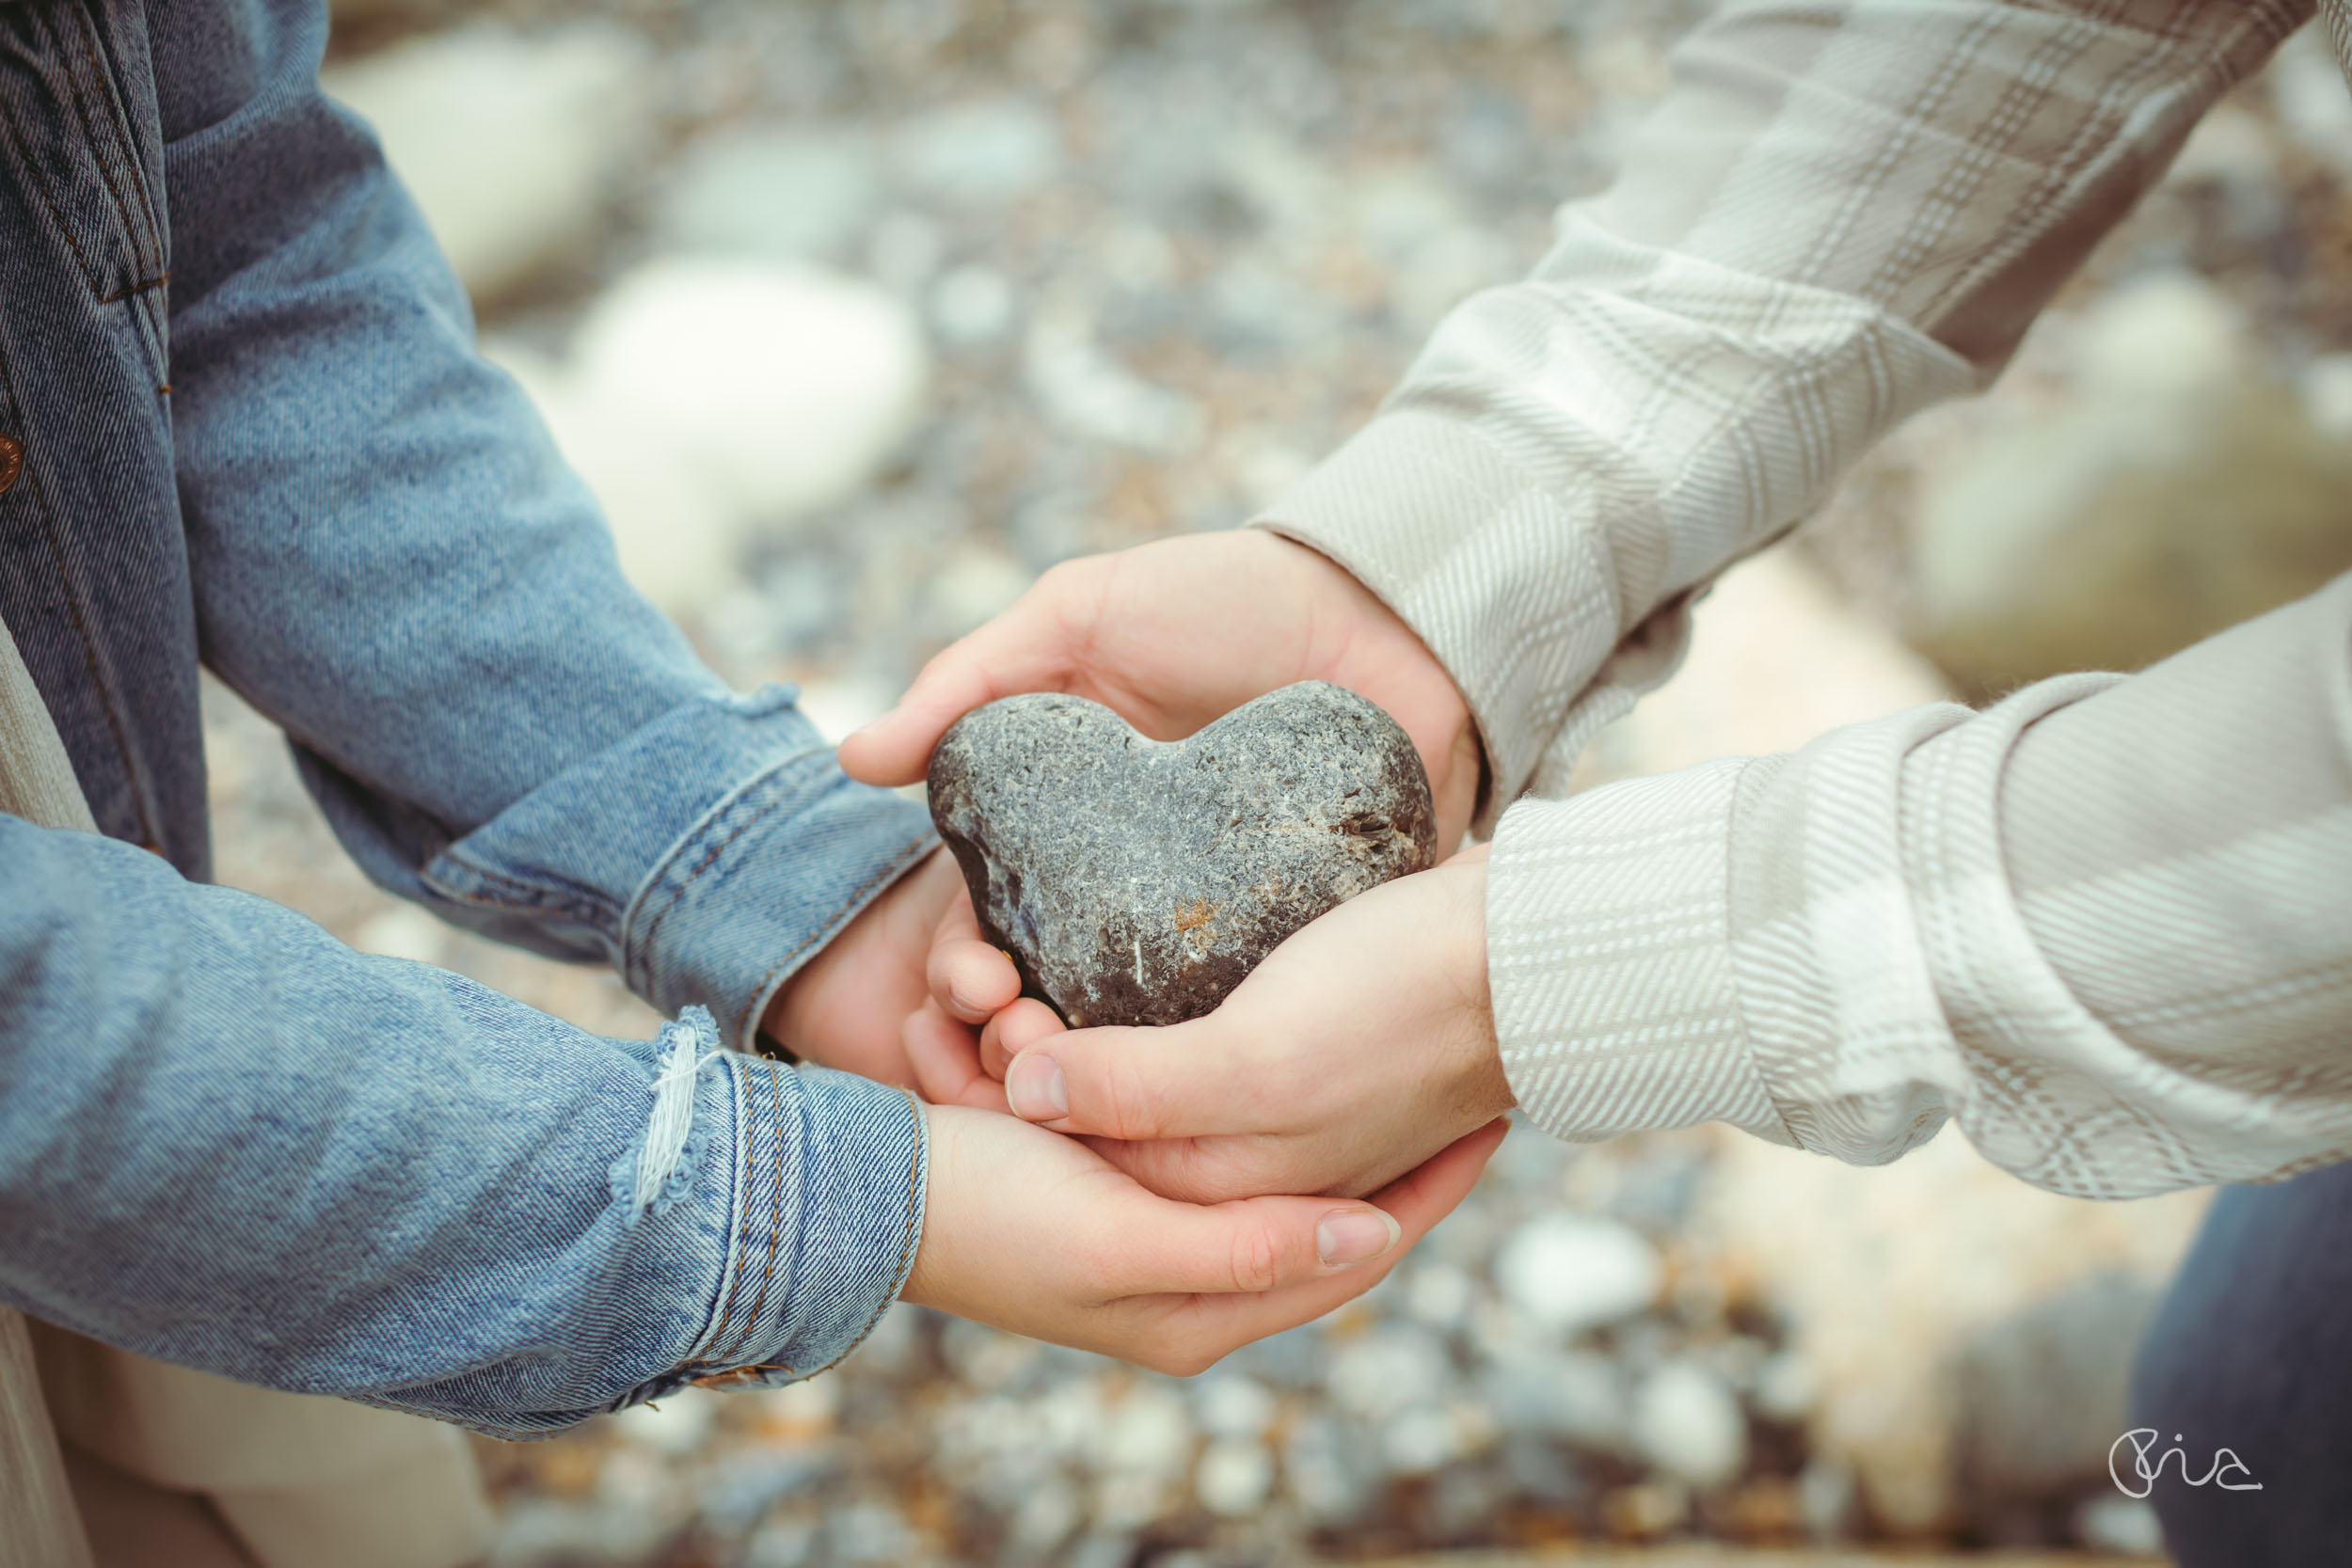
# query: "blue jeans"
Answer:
x=2252 y=1351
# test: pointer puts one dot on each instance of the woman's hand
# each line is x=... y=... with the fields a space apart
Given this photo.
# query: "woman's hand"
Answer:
x=1034 y=1234
x=1356 y=1051
x=1174 y=634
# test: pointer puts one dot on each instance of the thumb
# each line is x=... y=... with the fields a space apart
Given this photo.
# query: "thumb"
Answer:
x=1024 y=649
x=1134 y=1085
x=1252 y=1245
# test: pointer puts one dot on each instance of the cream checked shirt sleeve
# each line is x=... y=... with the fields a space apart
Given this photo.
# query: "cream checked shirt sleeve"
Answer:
x=2107 y=926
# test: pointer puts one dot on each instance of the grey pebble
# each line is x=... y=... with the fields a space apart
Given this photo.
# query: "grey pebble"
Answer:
x=1137 y=881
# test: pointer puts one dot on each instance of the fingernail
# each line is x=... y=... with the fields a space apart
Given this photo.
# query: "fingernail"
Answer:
x=1351 y=1236
x=1037 y=1089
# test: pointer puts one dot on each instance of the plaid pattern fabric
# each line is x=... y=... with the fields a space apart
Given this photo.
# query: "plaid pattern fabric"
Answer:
x=1843 y=212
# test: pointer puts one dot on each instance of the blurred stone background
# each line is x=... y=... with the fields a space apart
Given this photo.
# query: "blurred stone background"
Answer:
x=857 y=316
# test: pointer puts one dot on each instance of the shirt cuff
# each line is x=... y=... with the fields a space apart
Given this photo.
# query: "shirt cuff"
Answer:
x=828 y=1215
x=1609 y=955
x=707 y=857
x=1510 y=585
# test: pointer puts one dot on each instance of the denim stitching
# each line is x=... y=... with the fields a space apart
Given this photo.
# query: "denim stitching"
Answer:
x=906 y=1242
x=775 y=1089
x=525 y=890
x=48 y=196
x=153 y=329
x=526 y=895
x=735 y=1281
x=636 y=952
x=31 y=477
x=162 y=280
x=700 y=867
x=829 y=930
x=738 y=1377
x=775 y=1226
x=90 y=137
x=101 y=58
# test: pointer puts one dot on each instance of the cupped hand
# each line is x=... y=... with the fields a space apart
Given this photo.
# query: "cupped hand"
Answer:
x=1035 y=1234
x=850 y=1006
x=1357 y=1049
x=971 y=984
x=1175 y=634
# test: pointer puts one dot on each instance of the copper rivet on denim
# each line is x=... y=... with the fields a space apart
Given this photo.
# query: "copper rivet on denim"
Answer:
x=11 y=461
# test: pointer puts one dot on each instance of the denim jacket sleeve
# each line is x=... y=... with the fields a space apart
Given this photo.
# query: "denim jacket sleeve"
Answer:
x=229 y=1142
x=392 y=562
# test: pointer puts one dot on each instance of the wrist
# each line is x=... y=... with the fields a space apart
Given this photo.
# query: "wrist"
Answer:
x=931 y=1268
x=834 y=995
x=779 y=1023
x=1474 y=1071
x=1368 y=647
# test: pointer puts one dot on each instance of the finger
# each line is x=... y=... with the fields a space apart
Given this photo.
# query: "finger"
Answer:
x=1134 y=1085
x=946 y=1063
x=969 y=980
x=959 y=920
x=1024 y=649
x=1247 y=1246
x=1456 y=799
x=1191 y=1333
x=1199 y=1170
x=1014 y=1030
x=1258 y=1245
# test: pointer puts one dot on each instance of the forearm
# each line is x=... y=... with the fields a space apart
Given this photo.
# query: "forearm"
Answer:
x=231 y=1143
x=391 y=560
x=388 y=557
x=1839 y=214
x=2102 y=926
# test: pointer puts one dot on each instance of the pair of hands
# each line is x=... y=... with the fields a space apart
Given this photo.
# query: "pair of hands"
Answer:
x=1359 y=1059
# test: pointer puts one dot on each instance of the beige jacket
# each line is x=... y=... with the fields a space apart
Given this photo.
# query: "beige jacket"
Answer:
x=2107 y=927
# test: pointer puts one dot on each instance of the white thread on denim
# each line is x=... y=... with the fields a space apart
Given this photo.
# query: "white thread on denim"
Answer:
x=673 y=1114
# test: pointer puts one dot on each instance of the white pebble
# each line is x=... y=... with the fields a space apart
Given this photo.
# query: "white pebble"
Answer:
x=511 y=144
x=1569 y=1273
x=1577 y=1395
x=784 y=386
x=1234 y=1406
x=1440 y=1295
x=1784 y=1388
x=1421 y=1439
x=675 y=1423
x=1388 y=1369
x=1688 y=1424
x=972 y=305
x=1150 y=1433
x=2125 y=1525
x=1048 y=1513
x=981 y=155
x=1235 y=1477
x=772 y=191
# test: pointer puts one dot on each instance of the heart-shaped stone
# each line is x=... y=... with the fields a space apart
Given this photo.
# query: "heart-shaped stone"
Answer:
x=1139 y=881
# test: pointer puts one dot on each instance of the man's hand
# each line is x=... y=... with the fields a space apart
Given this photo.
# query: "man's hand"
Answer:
x=1357 y=1049
x=1033 y=1233
x=847 y=1008
x=1175 y=634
